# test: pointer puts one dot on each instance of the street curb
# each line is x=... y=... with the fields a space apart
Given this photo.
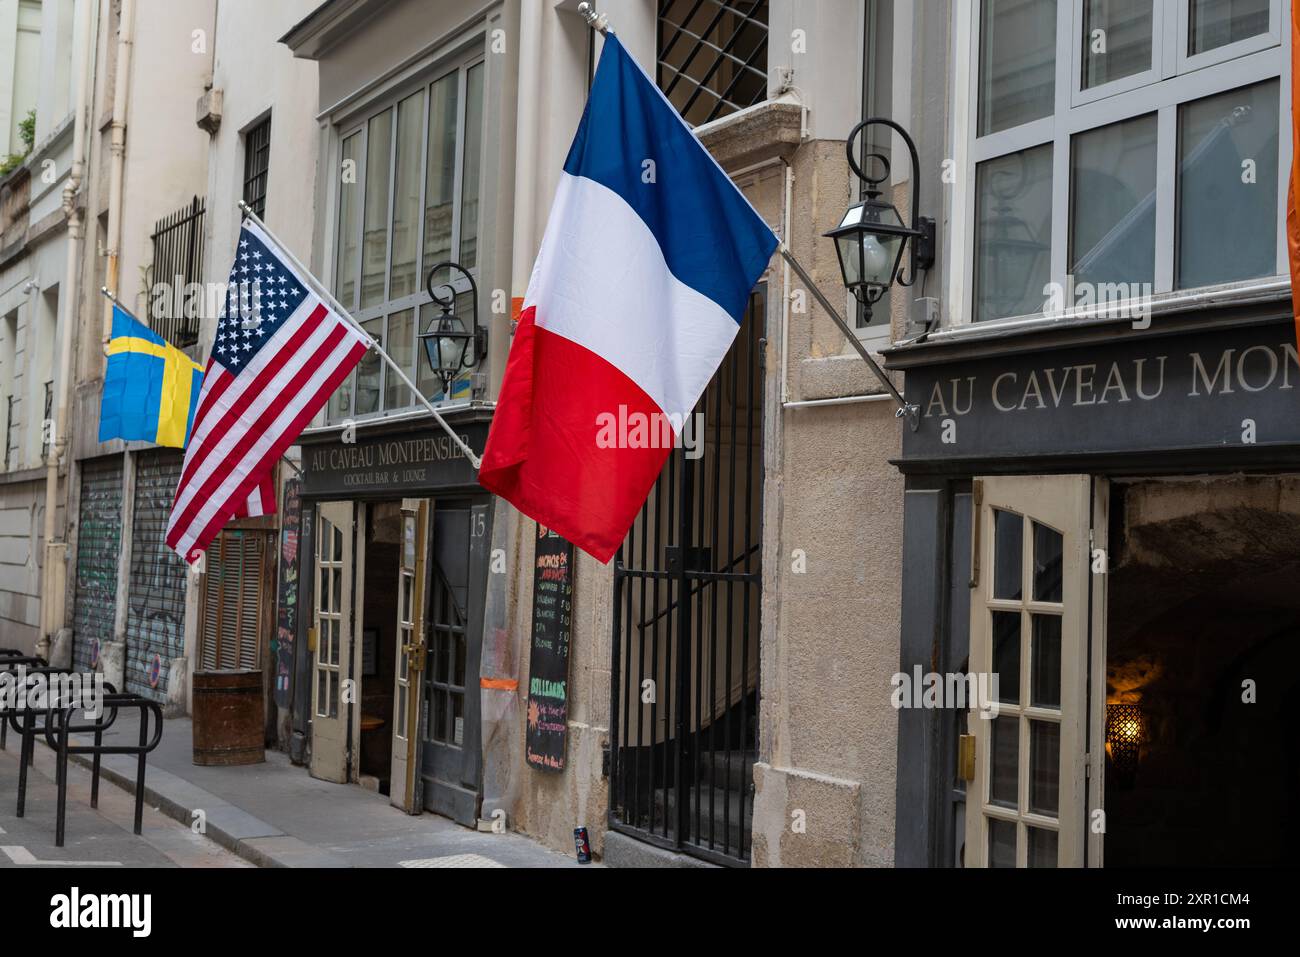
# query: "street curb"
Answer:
x=183 y=815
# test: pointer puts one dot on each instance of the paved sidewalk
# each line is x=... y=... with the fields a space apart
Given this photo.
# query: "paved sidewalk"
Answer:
x=95 y=837
x=277 y=815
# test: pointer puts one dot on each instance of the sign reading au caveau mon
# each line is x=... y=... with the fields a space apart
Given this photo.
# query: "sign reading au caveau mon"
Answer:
x=1217 y=389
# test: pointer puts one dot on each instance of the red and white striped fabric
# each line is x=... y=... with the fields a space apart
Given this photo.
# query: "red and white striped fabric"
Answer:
x=279 y=353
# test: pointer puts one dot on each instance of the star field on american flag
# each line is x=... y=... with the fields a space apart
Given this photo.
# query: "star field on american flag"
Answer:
x=262 y=295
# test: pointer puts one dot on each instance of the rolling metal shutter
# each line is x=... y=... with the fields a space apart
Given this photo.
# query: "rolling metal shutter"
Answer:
x=99 y=542
x=155 y=615
x=235 y=591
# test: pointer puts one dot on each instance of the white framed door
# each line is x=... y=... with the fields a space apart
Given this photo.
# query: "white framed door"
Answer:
x=331 y=639
x=412 y=578
x=1032 y=622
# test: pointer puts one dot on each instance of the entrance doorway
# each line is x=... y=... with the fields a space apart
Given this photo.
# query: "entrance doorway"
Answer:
x=1202 y=660
x=397 y=637
x=1033 y=619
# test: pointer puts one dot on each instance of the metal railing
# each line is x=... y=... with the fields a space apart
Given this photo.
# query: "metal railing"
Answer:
x=712 y=56
x=176 y=313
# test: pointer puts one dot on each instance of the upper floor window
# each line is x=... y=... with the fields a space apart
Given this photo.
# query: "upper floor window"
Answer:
x=257 y=162
x=408 y=200
x=1123 y=148
x=712 y=56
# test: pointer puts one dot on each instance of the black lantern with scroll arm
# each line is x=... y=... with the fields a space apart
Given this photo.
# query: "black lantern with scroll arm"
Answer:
x=452 y=343
x=872 y=238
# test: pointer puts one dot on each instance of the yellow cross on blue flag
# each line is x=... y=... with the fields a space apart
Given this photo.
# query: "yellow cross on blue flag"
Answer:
x=151 y=388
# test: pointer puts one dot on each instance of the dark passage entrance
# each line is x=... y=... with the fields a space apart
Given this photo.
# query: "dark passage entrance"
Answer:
x=1204 y=615
x=687 y=587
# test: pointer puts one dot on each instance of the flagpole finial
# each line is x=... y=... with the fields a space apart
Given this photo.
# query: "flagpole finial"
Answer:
x=597 y=21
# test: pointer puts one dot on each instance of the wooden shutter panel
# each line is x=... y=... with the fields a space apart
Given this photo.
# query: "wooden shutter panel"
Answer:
x=234 y=601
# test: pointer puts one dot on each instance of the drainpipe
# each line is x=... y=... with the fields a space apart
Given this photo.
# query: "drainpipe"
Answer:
x=54 y=590
x=113 y=654
x=117 y=145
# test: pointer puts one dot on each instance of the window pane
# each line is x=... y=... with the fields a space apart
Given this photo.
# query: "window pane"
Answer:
x=379 y=148
x=440 y=181
x=1045 y=684
x=1044 y=767
x=1042 y=847
x=401 y=346
x=1013 y=234
x=1049 y=547
x=1227 y=187
x=1017 y=81
x=1002 y=843
x=368 y=371
x=348 y=262
x=406 y=196
x=1008 y=555
x=1006 y=655
x=1004 y=762
x=473 y=160
x=1216 y=23
x=1113 y=209
x=1116 y=40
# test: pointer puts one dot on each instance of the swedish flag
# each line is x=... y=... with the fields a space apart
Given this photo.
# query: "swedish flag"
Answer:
x=151 y=388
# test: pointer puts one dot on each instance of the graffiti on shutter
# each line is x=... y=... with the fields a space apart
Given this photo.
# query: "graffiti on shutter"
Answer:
x=99 y=542
x=155 y=618
x=233 y=601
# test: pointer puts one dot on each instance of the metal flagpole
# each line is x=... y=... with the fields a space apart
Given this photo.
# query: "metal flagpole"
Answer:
x=474 y=460
x=905 y=409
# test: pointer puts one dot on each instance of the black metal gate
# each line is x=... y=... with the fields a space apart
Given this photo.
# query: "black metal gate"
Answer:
x=687 y=592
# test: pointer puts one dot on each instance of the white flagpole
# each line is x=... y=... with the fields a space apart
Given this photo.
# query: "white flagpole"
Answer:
x=474 y=460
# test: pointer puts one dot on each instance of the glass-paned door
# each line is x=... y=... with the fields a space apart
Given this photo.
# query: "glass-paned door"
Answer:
x=332 y=625
x=412 y=574
x=451 y=760
x=1033 y=574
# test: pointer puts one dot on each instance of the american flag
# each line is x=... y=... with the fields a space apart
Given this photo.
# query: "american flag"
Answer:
x=280 y=352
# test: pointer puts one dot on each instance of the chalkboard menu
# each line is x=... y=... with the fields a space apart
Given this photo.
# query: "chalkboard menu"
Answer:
x=548 y=670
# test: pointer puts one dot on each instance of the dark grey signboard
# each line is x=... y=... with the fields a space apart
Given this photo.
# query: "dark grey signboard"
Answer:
x=1224 y=389
x=395 y=464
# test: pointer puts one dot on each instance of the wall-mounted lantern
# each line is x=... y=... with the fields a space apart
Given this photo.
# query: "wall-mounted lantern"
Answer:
x=1124 y=733
x=453 y=343
x=872 y=238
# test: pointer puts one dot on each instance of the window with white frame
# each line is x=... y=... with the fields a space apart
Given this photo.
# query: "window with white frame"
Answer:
x=410 y=203
x=1123 y=148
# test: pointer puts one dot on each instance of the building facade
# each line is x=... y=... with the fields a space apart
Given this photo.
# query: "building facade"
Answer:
x=1100 y=498
x=700 y=704
x=1095 y=502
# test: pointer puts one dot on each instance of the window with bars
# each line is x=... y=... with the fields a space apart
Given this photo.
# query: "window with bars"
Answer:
x=176 y=299
x=236 y=588
x=1121 y=150
x=408 y=200
x=712 y=56
x=257 y=160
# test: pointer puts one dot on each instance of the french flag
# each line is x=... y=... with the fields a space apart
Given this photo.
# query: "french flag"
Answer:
x=639 y=288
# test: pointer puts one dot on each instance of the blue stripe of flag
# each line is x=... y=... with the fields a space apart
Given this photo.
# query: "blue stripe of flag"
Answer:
x=712 y=239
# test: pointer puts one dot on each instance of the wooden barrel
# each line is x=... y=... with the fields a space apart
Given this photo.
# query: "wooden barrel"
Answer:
x=229 y=718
